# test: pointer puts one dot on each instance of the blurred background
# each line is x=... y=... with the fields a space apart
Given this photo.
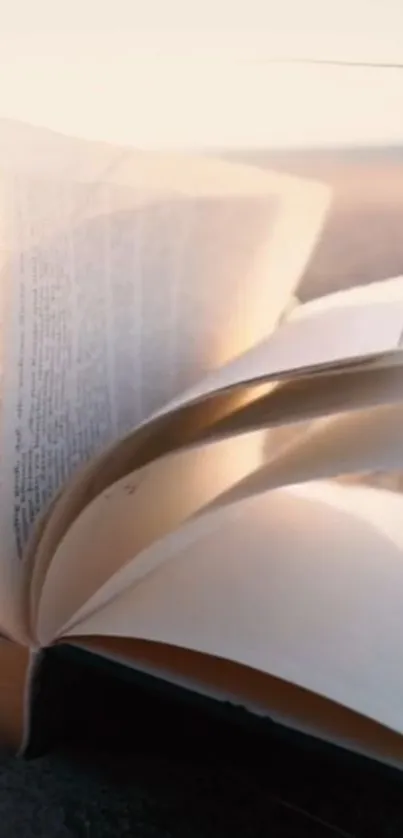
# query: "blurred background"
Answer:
x=212 y=74
x=309 y=86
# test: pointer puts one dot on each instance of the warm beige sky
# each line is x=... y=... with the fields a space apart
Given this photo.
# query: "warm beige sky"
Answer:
x=186 y=72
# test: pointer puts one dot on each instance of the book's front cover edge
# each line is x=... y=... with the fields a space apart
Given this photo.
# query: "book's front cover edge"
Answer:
x=68 y=672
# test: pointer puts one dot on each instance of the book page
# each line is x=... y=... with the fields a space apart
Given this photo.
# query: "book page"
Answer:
x=121 y=521
x=295 y=403
x=386 y=290
x=349 y=444
x=123 y=284
x=118 y=316
x=256 y=691
x=354 y=336
x=379 y=385
x=303 y=583
x=313 y=342
x=135 y=512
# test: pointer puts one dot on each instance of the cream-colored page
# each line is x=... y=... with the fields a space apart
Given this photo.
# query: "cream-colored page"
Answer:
x=312 y=343
x=362 y=442
x=256 y=691
x=315 y=337
x=126 y=278
x=296 y=403
x=381 y=291
x=122 y=520
x=303 y=583
x=134 y=513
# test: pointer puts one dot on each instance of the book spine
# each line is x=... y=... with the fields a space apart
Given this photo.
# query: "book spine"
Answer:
x=31 y=690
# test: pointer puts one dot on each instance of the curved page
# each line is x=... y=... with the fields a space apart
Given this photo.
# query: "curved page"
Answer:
x=373 y=293
x=143 y=507
x=296 y=348
x=300 y=401
x=257 y=692
x=126 y=277
x=303 y=583
x=134 y=513
x=362 y=442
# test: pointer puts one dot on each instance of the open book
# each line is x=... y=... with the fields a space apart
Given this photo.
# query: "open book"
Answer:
x=153 y=509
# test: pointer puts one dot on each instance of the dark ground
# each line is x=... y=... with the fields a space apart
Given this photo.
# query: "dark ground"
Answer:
x=147 y=797
x=168 y=794
x=151 y=796
x=178 y=792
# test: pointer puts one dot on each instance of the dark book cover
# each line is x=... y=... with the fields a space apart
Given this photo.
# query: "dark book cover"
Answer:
x=79 y=696
x=87 y=703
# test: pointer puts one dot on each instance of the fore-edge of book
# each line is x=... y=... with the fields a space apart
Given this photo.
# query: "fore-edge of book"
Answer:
x=180 y=446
